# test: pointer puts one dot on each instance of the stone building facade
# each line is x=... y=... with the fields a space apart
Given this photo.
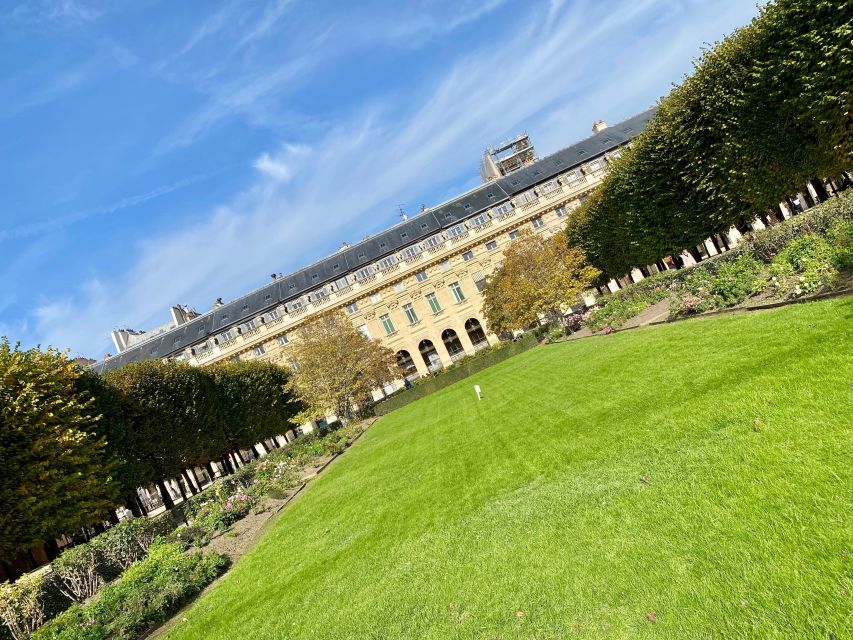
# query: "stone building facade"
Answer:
x=416 y=287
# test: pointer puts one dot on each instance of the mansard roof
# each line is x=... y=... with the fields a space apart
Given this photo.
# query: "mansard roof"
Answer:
x=372 y=249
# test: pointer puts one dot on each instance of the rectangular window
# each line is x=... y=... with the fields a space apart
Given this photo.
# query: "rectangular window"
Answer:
x=365 y=331
x=479 y=280
x=433 y=241
x=491 y=245
x=410 y=252
x=433 y=302
x=399 y=287
x=259 y=350
x=445 y=266
x=282 y=339
x=387 y=324
x=457 y=291
x=352 y=307
x=537 y=222
x=476 y=221
x=561 y=212
x=361 y=274
x=468 y=255
x=514 y=234
x=573 y=176
x=420 y=276
x=459 y=229
x=595 y=165
x=525 y=198
x=502 y=209
x=342 y=283
x=390 y=261
x=375 y=297
x=410 y=313
x=549 y=186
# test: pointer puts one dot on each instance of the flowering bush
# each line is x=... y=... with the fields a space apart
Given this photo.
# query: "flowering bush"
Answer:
x=804 y=267
x=717 y=285
x=840 y=235
x=574 y=322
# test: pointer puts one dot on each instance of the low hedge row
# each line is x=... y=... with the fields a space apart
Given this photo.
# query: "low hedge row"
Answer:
x=797 y=257
x=462 y=369
x=148 y=593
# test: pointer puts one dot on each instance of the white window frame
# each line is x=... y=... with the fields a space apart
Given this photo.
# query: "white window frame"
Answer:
x=387 y=324
x=432 y=301
x=456 y=230
x=456 y=289
x=411 y=314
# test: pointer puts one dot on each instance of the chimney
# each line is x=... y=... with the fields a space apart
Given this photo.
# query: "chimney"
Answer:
x=598 y=126
x=344 y=245
x=179 y=315
x=119 y=337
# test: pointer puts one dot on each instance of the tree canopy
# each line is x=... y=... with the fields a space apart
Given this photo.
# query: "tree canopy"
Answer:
x=335 y=367
x=765 y=111
x=58 y=475
x=539 y=276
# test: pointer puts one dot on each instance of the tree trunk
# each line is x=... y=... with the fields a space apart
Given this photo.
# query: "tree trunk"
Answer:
x=697 y=256
x=210 y=471
x=716 y=244
x=165 y=495
x=181 y=488
x=139 y=505
x=189 y=483
x=819 y=189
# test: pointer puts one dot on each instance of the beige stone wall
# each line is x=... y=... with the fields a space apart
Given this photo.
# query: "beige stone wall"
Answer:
x=459 y=261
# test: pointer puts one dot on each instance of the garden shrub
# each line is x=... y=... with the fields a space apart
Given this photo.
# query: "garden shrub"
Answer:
x=619 y=307
x=718 y=284
x=128 y=541
x=148 y=593
x=840 y=235
x=80 y=571
x=22 y=604
x=804 y=267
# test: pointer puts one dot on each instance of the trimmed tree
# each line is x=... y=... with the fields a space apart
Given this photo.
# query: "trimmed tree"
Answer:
x=254 y=403
x=58 y=475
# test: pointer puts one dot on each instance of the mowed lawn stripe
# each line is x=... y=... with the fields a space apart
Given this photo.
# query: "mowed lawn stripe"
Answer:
x=692 y=480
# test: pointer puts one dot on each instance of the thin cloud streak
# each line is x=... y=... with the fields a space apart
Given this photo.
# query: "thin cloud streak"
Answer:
x=300 y=206
x=39 y=228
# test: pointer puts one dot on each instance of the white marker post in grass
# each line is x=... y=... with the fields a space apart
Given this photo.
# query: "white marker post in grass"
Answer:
x=477 y=391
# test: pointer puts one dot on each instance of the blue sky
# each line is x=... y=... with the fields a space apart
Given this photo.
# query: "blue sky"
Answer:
x=157 y=152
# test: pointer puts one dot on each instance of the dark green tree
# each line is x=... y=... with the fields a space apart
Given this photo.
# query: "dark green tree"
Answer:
x=58 y=474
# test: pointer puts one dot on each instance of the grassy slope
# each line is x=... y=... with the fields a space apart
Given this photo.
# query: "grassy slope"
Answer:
x=451 y=515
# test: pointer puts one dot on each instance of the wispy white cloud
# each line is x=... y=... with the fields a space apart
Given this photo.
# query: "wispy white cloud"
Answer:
x=54 y=12
x=46 y=226
x=562 y=68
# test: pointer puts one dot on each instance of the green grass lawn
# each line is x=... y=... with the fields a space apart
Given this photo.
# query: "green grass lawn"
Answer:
x=699 y=474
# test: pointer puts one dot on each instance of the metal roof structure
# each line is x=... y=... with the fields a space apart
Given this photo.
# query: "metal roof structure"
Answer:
x=348 y=260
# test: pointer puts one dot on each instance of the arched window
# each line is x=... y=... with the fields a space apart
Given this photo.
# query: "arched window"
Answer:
x=405 y=362
x=453 y=344
x=430 y=355
x=476 y=333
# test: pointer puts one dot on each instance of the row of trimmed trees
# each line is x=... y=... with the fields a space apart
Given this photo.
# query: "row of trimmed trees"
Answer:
x=767 y=111
x=76 y=445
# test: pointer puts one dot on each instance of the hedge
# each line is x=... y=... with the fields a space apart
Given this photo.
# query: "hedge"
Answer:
x=463 y=369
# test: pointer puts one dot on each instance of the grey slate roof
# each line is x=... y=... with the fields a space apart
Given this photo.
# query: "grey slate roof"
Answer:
x=372 y=249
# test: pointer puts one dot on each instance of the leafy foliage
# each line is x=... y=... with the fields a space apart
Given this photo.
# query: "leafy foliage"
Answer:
x=147 y=594
x=538 y=276
x=251 y=395
x=22 y=604
x=337 y=368
x=58 y=473
x=804 y=267
x=733 y=139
